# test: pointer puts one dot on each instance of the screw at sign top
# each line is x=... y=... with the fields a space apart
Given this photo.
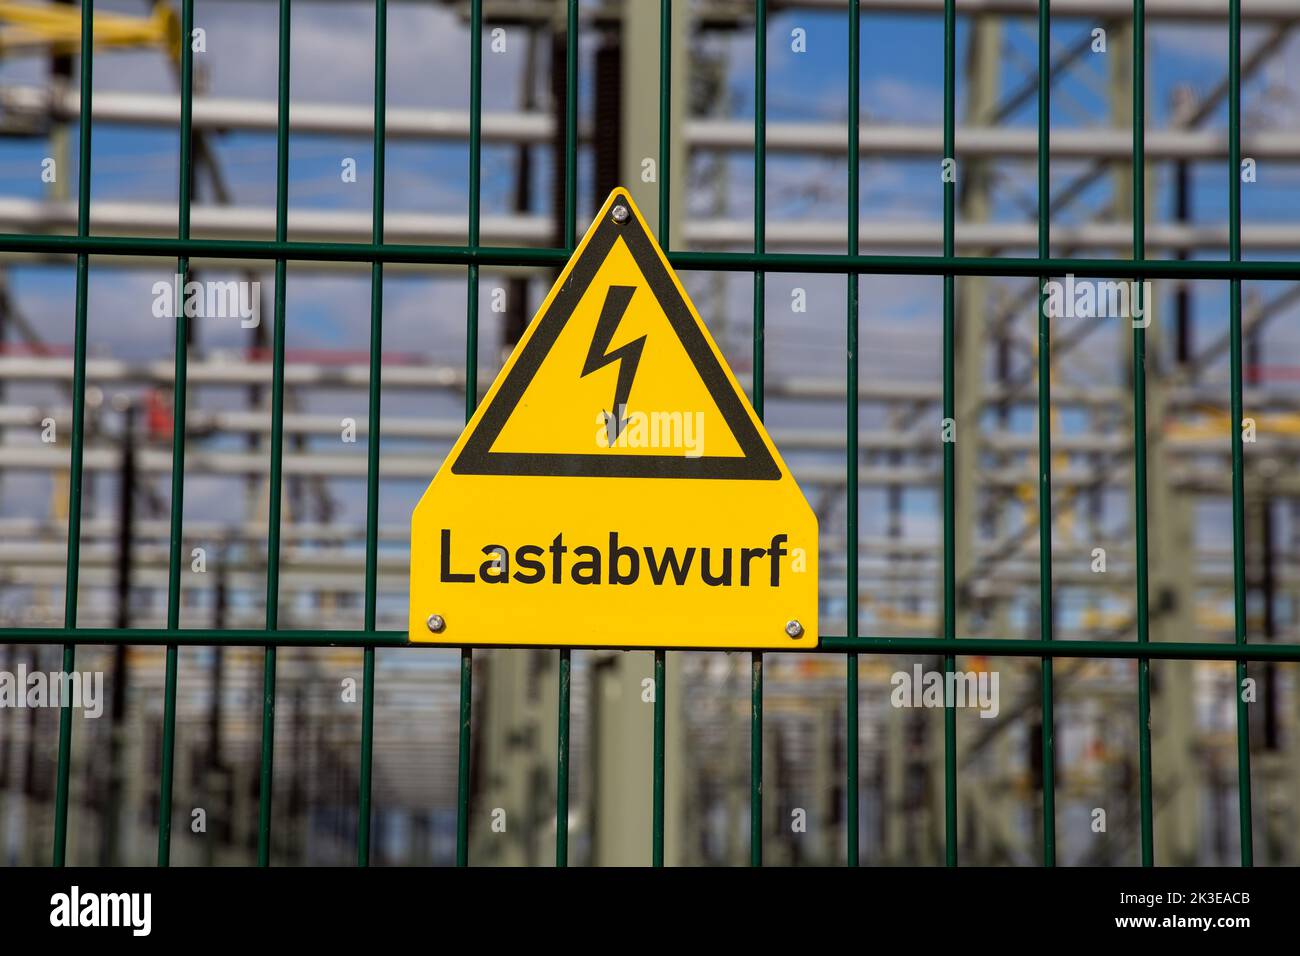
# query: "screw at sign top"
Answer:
x=620 y=213
x=794 y=629
x=436 y=623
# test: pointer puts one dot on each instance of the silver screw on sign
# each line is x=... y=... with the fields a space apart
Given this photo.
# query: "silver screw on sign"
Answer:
x=794 y=630
x=436 y=623
x=620 y=213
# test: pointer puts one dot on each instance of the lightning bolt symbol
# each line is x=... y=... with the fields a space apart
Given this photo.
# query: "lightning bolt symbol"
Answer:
x=627 y=356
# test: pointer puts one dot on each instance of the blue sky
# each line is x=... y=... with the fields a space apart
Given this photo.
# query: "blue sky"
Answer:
x=901 y=82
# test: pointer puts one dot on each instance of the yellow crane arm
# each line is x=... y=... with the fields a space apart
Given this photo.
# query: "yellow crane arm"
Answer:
x=56 y=28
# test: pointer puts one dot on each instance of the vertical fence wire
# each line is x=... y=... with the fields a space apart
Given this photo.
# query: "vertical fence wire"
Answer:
x=1238 y=463
x=1140 y=440
x=949 y=415
x=471 y=401
x=760 y=227
x=373 y=433
x=657 y=812
x=570 y=238
x=179 y=388
x=665 y=115
x=570 y=126
x=275 y=491
x=562 y=763
x=1045 y=605
x=660 y=660
x=75 y=465
x=851 y=459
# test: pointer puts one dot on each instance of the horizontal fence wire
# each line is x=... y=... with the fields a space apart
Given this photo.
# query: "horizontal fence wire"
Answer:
x=550 y=257
x=183 y=247
x=829 y=643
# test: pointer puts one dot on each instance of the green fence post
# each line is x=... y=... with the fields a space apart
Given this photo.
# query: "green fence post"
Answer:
x=1046 y=623
x=374 y=434
x=851 y=458
x=266 y=776
x=570 y=240
x=760 y=228
x=657 y=814
x=1140 y=440
x=75 y=466
x=179 y=389
x=1238 y=463
x=660 y=661
x=949 y=414
x=562 y=762
x=471 y=400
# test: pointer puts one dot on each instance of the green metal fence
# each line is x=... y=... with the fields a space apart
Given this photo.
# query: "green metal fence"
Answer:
x=852 y=264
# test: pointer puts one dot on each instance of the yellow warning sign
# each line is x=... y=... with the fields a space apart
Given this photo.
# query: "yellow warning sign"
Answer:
x=614 y=487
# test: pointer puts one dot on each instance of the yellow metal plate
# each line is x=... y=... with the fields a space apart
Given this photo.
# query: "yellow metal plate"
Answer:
x=615 y=487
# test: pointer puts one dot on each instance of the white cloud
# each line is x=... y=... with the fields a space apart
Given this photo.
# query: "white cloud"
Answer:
x=891 y=98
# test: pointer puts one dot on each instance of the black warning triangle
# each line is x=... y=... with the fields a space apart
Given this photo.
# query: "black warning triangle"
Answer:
x=477 y=458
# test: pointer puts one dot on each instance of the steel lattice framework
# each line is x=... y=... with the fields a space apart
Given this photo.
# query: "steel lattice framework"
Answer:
x=474 y=255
